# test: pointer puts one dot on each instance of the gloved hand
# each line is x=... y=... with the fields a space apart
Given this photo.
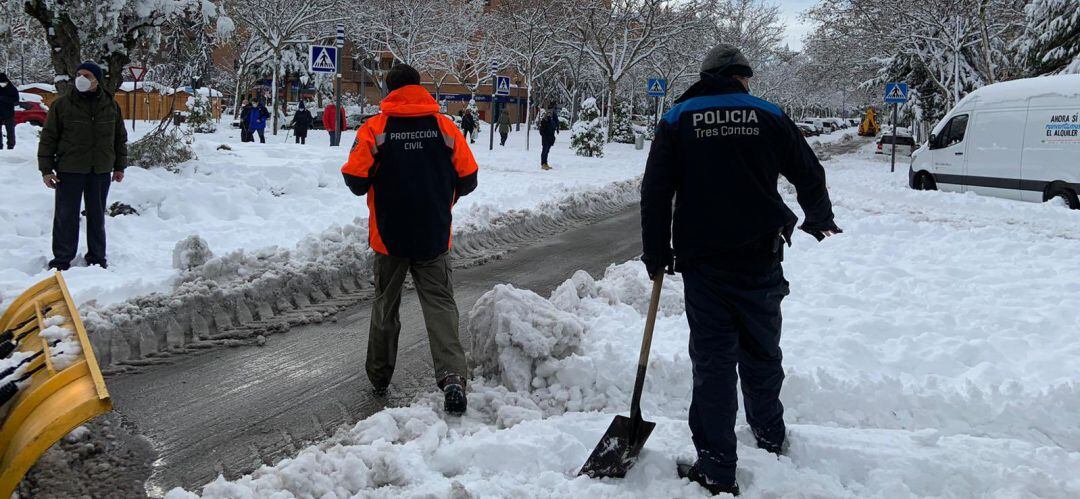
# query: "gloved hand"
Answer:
x=655 y=264
x=820 y=231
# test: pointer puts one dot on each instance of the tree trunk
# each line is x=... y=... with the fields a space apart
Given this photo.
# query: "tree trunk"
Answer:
x=63 y=39
x=611 y=109
x=273 y=88
x=528 y=112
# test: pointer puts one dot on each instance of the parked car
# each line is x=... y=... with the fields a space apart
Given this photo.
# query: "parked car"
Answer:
x=838 y=123
x=1017 y=139
x=905 y=144
x=30 y=109
x=817 y=123
x=807 y=129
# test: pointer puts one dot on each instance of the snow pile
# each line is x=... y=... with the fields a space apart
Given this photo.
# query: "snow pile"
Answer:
x=191 y=252
x=519 y=335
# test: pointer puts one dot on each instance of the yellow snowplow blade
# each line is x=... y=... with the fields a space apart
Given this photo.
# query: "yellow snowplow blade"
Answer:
x=54 y=402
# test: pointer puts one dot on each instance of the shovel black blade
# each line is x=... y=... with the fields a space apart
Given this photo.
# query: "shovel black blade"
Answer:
x=618 y=448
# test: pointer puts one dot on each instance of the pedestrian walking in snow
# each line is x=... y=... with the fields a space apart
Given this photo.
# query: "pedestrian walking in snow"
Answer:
x=257 y=122
x=334 y=128
x=419 y=164
x=301 y=122
x=9 y=97
x=245 y=125
x=468 y=124
x=719 y=152
x=504 y=126
x=83 y=147
x=549 y=126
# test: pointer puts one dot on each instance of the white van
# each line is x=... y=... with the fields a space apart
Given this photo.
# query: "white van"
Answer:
x=1018 y=139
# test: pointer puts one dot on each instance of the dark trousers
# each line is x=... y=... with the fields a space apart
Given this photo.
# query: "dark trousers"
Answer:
x=262 y=137
x=300 y=140
x=9 y=127
x=435 y=288
x=734 y=323
x=545 y=148
x=502 y=138
x=73 y=190
x=335 y=138
x=245 y=134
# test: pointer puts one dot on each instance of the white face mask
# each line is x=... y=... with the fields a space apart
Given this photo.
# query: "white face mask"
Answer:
x=82 y=83
x=3 y=84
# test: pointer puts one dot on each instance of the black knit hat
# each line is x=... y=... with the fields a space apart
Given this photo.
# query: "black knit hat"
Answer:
x=92 y=67
x=726 y=60
x=401 y=75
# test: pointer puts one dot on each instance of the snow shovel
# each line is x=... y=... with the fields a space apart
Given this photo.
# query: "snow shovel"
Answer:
x=621 y=444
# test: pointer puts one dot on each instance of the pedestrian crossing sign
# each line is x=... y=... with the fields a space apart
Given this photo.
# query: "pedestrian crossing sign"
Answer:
x=657 y=87
x=502 y=85
x=896 y=93
x=322 y=59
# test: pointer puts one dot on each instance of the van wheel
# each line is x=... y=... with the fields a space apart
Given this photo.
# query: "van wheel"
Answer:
x=925 y=182
x=1063 y=196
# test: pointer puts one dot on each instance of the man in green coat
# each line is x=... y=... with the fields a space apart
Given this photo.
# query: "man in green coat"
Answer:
x=83 y=148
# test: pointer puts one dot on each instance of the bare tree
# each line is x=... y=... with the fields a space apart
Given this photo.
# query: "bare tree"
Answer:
x=407 y=29
x=618 y=35
x=282 y=24
x=525 y=33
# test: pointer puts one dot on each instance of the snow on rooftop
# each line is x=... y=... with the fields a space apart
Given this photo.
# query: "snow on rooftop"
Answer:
x=25 y=97
x=207 y=91
x=44 y=87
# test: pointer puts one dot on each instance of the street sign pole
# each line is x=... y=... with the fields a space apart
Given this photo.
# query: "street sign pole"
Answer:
x=335 y=140
x=895 y=94
x=494 y=84
x=894 y=112
x=137 y=73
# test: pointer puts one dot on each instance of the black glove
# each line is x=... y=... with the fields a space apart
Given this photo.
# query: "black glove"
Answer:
x=655 y=264
x=820 y=231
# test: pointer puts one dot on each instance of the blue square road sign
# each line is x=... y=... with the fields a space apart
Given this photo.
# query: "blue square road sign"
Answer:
x=896 y=93
x=657 y=87
x=322 y=59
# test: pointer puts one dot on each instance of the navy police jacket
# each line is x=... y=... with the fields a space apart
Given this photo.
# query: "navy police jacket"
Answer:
x=718 y=153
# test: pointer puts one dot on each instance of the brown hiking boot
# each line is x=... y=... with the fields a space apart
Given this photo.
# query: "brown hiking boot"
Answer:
x=545 y=166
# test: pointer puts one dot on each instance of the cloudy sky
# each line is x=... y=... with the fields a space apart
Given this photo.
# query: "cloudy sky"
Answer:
x=790 y=11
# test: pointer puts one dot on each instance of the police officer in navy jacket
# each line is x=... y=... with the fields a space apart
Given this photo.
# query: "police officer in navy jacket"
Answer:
x=710 y=210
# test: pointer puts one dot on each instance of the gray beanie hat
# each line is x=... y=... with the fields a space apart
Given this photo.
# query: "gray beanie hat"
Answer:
x=725 y=59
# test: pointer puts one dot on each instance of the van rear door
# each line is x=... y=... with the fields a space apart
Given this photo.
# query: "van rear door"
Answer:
x=993 y=156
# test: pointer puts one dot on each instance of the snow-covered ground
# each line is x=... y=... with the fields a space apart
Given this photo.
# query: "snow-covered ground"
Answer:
x=931 y=351
x=254 y=197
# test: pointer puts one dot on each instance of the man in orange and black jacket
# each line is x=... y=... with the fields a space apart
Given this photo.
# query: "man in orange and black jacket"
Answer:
x=413 y=164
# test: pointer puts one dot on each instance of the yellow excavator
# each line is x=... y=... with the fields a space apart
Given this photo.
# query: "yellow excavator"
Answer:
x=869 y=126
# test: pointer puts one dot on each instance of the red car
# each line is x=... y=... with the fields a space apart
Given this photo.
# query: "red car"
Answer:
x=31 y=112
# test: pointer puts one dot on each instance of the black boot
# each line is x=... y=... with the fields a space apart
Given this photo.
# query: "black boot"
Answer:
x=455 y=401
x=694 y=474
x=769 y=445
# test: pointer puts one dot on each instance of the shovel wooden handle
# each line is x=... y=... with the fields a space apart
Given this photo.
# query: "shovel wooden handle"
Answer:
x=646 y=345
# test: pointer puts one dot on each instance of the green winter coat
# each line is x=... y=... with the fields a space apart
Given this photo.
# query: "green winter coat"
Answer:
x=504 y=122
x=83 y=135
